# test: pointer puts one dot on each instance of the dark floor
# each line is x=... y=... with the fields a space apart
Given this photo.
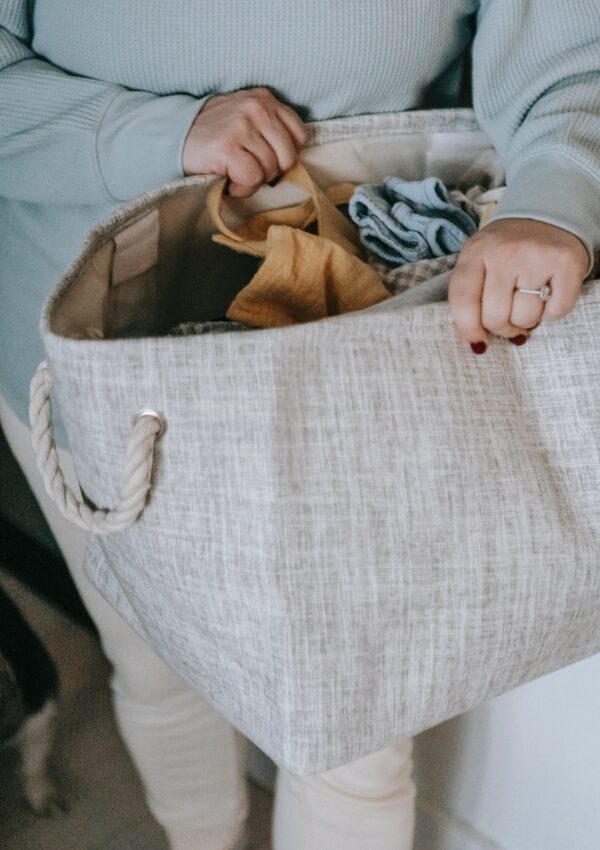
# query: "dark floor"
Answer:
x=107 y=809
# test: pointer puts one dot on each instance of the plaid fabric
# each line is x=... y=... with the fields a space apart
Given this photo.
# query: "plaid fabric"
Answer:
x=401 y=278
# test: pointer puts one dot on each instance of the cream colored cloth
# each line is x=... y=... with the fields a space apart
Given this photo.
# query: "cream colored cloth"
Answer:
x=304 y=276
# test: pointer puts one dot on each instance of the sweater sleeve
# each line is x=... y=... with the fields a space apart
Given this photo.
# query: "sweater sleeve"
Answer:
x=70 y=139
x=536 y=92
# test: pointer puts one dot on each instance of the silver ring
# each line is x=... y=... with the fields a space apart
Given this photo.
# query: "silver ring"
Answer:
x=544 y=293
x=154 y=415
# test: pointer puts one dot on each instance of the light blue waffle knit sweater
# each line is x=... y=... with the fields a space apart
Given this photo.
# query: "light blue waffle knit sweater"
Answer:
x=96 y=99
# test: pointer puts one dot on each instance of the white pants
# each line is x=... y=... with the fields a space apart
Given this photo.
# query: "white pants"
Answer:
x=191 y=760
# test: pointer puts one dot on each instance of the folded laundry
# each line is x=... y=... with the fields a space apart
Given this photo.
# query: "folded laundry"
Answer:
x=479 y=203
x=406 y=221
x=304 y=276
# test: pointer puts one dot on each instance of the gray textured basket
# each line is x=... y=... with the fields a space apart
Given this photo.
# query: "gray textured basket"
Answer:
x=355 y=528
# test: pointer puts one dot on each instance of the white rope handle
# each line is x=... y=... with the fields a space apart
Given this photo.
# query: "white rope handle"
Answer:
x=147 y=428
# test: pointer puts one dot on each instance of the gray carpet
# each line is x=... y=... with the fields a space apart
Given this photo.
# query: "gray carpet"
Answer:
x=106 y=803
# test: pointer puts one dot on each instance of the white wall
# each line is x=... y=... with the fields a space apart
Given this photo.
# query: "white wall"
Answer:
x=521 y=772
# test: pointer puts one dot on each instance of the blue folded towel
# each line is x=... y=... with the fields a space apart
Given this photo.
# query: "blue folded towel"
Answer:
x=403 y=221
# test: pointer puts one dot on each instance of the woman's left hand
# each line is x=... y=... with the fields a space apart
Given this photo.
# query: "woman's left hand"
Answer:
x=503 y=255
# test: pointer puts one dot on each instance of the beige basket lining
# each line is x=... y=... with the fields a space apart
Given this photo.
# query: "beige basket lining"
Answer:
x=195 y=279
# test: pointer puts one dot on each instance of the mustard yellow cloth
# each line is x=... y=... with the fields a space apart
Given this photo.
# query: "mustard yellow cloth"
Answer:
x=304 y=276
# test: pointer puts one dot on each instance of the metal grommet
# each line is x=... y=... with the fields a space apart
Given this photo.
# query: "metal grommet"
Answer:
x=154 y=415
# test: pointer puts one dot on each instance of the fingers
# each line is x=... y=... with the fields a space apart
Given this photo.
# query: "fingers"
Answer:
x=504 y=311
x=248 y=136
x=282 y=143
x=565 y=292
x=498 y=306
x=274 y=135
x=513 y=254
x=273 y=153
x=273 y=148
x=465 y=294
x=278 y=125
x=264 y=155
x=245 y=173
x=482 y=301
x=293 y=124
x=527 y=309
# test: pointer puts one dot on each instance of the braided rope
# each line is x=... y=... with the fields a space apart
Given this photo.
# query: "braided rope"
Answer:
x=136 y=475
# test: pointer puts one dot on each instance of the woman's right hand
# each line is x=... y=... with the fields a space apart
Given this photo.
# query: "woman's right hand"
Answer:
x=248 y=136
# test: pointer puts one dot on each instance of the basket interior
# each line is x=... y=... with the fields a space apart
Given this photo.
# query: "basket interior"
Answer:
x=160 y=267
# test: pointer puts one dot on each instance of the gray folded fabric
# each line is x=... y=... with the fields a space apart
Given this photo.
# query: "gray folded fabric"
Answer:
x=213 y=326
x=403 y=221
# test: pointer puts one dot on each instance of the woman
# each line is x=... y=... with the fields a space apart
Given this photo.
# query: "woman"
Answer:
x=101 y=102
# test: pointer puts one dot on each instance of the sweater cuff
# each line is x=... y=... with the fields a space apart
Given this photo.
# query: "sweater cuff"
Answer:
x=140 y=141
x=553 y=189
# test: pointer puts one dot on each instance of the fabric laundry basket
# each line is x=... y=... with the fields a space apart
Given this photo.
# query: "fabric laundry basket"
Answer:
x=353 y=528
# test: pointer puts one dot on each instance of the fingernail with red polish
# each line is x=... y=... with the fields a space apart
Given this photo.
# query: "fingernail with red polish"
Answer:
x=521 y=339
x=478 y=347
